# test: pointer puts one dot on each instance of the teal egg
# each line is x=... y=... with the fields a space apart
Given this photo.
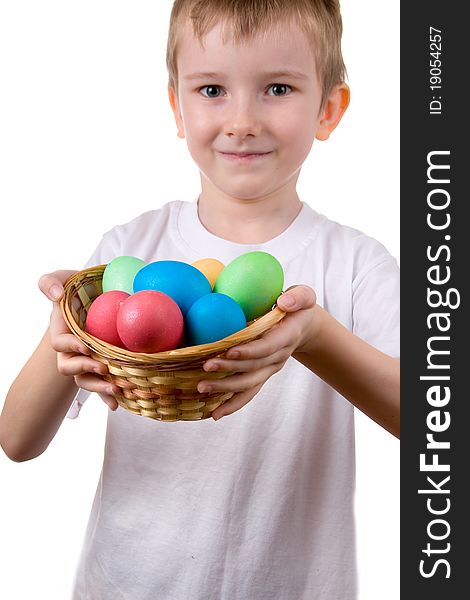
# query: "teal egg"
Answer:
x=212 y=318
x=254 y=280
x=119 y=273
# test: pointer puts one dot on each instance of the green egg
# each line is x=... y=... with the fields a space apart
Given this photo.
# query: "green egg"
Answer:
x=254 y=280
x=120 y=272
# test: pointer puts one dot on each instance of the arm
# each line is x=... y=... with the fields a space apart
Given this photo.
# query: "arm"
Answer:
x=42 y=393
x=36 y=405
x=366 y=377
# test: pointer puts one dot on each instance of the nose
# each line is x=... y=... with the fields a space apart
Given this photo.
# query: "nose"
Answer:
x=242 y=119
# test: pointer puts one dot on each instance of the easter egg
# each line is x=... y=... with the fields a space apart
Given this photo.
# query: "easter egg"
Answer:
x=120 y=272
x=179 y=280
x=102 y=315
x=254 y=280
x=211 y=267
x=212 y=318
x=150 y=321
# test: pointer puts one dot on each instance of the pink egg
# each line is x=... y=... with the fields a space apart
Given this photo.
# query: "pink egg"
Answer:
x=102 y=314
x=150 y=321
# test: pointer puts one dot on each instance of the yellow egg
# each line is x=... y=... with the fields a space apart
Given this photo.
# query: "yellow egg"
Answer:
x=210 y=267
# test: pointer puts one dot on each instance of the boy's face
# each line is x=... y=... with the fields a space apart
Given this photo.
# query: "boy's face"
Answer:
x=249 y=111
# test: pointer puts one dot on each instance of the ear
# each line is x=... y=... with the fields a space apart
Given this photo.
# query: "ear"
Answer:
x=176 y=111
x=335 y=107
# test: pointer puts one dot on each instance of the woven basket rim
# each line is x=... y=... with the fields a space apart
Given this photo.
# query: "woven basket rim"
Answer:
x=122 y=356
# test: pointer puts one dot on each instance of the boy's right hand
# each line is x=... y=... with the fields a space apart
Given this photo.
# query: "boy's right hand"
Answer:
x=73 y=357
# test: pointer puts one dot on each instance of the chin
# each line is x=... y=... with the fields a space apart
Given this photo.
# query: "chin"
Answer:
x=248 y=191
x=247 y=196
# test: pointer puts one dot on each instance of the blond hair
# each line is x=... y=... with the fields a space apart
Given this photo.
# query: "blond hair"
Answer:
x=243 y=19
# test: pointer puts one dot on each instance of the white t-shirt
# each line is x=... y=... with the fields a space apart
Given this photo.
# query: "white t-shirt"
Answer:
x=259 y=505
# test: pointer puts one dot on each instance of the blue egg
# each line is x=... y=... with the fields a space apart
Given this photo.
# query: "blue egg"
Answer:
x=181 y=281
x=212 y=318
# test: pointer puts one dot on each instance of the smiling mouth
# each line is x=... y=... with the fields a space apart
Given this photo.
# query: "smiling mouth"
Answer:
x=244 y=156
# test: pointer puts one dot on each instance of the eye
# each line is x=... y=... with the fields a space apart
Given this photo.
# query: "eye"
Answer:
x=211 y=91
x=279 y=89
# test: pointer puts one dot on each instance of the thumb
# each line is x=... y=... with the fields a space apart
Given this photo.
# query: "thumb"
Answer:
x=297 y=297
x=51 y=284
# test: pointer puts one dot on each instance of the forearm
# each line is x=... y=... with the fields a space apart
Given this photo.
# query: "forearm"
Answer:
x=368 y=378
x=36 y=405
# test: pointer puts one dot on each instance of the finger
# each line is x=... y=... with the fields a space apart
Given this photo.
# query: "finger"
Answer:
x=62 y=340
x=238 y=383
x=243 y=366
x=236 y=402
x=297 y=297
x=68 y=343
x=111 y=401
x=93 y=383
x=277 y=338
x=77 y=364
x=57 y=322
x=51 y=284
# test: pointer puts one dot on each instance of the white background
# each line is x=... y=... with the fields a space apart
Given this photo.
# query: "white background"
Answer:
x=87 y=141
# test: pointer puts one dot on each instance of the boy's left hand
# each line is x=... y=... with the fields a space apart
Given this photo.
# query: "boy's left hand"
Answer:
x=255 y=362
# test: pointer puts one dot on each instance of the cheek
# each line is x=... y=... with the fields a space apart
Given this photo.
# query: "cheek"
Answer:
x=196 y=121
x=199 y=130
x=297 y=131
x=197 y=144
x=298 y=123
x=199 y=139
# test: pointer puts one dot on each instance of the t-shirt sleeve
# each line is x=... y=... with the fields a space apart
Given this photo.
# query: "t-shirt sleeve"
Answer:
x=376 y=301
x=107 y=249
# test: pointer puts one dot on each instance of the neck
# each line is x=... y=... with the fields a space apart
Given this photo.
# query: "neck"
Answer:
x=253 y=221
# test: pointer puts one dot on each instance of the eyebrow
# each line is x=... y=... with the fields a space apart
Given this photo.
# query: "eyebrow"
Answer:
x=286 y=73
x=290 y=73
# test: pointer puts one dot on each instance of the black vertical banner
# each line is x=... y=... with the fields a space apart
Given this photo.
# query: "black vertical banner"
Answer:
x=435 y=234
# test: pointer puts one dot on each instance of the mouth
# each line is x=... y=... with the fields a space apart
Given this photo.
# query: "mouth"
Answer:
x=245 y=157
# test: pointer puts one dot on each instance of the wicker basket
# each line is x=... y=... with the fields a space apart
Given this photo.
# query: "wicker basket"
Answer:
x=160 y=386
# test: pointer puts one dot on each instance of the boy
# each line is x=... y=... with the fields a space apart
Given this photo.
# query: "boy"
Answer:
x=271 y=516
